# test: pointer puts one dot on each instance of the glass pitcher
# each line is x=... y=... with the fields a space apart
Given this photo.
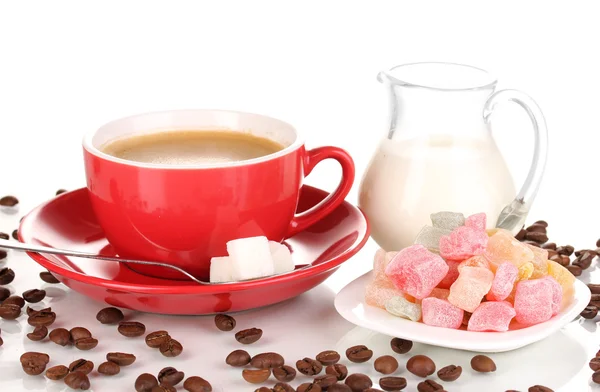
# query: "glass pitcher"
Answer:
x=439 y=154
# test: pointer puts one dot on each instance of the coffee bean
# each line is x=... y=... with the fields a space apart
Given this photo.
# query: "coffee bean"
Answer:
x=536 y=236
x=429 y=386
x=86 y=343
x=284 y=373
x=145 y=382
x=341 y=388
x=325 y=381
x=392 y=383
x=121 y=359
x=77 y=380
x=536 y=228
x=595 y=300
x=263 y=389
x=594 y=288
x=256 y=376
x=4 y=293
x=10 y=311
x=401 y=346
x=15 y=234
x=14 y=300
x=549 y=246
x=155 y=339
x=585 y=260
x=81 y=365
x=359 y=354
x=4 y=236
x=170 y=375
x=539 y=388
x=110 y=315
x=267 y=361
x=34 y=363
x=38 y=333
x=109 y=368
x=309 y=387
x=386 y=364
x=521 y=235
x=197 y=384
x=131 y=329
x=309 y=367
x=358 y=382
x=1 y=341
x=9 y=201
x=552 y=253
x=589 y=312
x=420 y=365
x=595 y=364
x=6 y=276
x=283 y=387
x=565 y=250
x=43 y=317
x=29 y=310
x=338 y=370
x=171 y=348
x=60 y=336
x=449 y=373
x=164 y=388
x=328 y=357
x=574 y=269
x=238 y=358
x=60 y=191
x=224 y=322
x=34 y=295
x=57 y=372
x=378 y=390
x=3 y=254
x=47 y=277
x=248 y=336
x=596 y=377
x=483 y=364
x=581 y=252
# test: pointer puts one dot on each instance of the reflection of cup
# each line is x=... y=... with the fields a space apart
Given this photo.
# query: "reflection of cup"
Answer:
x=184 y=215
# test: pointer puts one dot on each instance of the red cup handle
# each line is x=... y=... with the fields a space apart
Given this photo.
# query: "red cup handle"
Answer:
x=312 y=158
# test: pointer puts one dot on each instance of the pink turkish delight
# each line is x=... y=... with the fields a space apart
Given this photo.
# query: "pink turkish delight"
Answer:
x=476 y=221
x=491 y=316
x=504 y=281
x=441 y=313
x=462 y=243
x=533 y=301
x=472 y=285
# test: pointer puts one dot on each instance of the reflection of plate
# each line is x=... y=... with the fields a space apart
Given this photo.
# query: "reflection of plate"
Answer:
x=350 y=303
x=68 y=222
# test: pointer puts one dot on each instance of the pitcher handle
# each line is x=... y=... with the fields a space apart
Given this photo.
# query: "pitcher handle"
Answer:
x=513 y=215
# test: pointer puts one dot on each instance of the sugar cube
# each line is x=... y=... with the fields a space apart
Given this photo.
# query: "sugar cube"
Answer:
x=533 y=301
x=504 y=281
x=429 y=237
x=441 y=313
x=282 y=258
x=250 y=258
x=476 y=221
x=462 y=243
x=492 y=316
x=401 y=307
x=447 y=220
x=220 y=269
x=470 y=287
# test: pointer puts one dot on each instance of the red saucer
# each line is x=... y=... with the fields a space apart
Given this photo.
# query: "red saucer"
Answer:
x=68 y=222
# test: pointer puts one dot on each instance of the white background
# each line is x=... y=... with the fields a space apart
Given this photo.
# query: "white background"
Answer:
x=67 y=67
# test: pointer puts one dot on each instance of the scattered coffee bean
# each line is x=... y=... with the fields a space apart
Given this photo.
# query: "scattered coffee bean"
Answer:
x=164 y=388
x=121 y=359
x=6 y=276
x=594 y=288
x=589 y=312
x=145 y=382
x=249 y=336
x=170 y=375
x=449 y=373
x=29 y=310
x=401 y=346
x=15 y=234
x=574 y=269
x=283 y=387
x=420 y=365
x=564 y=260
x=549 y=246
x=309 y=387
x=521 y=235
x=109 y=368
x=285 y=373
x=110 y=315
x=238 y=358
x=1 y=341
x=57 y=372
x=358 y=382
x=429 y=386
x=536 y=228
x=34 y=295
x=595 y=300
x=3 y=254
x=224 y=322
x=4 y=236
x=197 y=384
x=86 y=343
x=392 y=383
x=267 y=361
x=539 y=388
x=263 y=389
x=77 y=380
x=9 y=311
x=342 y=388
x=565 y=250
x=155 y=339
x=80 y=333
x=596 y=377
x=595 y=364
x=171 y=348
x=536 y=236
x=541 y=223
x=581 y=252
x=328 y=357
x=60 y=336
x=14 y=300
x=4 y=293
x=338 y=370
x=60 y=191
x=256 y=376
x=131 y=329
x=38 y=333
x=359 y=354
x=81 y=365
x=9 y=201
x=309 y=366
x=483 y=364
x=325 y=381
x=386 y=364
x=34 y=363
x=47 y=277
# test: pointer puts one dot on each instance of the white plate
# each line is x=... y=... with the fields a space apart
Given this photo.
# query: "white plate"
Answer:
x=350 y=303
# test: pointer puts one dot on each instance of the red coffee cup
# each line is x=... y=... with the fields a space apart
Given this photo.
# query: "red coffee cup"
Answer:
x=184 y=215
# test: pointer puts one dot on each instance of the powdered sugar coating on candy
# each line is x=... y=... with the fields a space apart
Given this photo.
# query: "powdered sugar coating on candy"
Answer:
x=476 y=221
x=564 y=278
x=540 y=262
x=379 y=291
x=533 y=301
x=452 y=274
x=557 y=294
x=401 y=307
x=447 y=220
x=504 y=282
x=441 y=313
x=503 y=247
x=475 y=261
x=416 y=271
x=429 y=237
x=472 y=285
x=492 y=316
x=462 y=243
